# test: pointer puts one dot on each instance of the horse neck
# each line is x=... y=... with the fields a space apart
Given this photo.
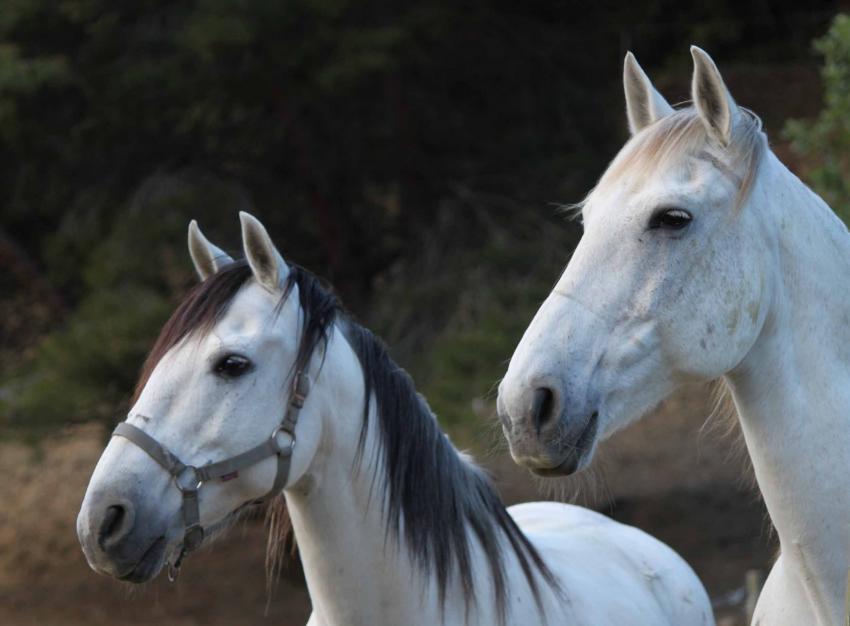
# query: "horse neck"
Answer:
x=356 y=571
x=352 y=577
x=792 y=391
x=353 y=574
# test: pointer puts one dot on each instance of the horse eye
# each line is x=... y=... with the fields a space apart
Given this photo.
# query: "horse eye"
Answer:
x=232 y=366
x=670 y=219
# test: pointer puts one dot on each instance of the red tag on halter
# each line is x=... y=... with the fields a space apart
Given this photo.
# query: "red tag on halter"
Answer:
x=229 y=476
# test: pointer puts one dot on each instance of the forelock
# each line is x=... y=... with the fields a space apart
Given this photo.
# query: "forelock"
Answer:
x=199 y=311
x=674 y=138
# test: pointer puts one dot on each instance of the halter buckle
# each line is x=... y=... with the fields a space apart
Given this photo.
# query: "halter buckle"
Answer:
x=187 y=479
x=283 y=440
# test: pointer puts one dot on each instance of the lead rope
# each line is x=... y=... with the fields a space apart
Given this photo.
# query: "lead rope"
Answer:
x=189 y=479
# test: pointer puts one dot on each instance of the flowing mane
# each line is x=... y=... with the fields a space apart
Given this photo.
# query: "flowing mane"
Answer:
x=430 y=494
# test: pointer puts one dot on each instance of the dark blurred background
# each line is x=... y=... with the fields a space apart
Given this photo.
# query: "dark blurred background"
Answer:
x=415 y=155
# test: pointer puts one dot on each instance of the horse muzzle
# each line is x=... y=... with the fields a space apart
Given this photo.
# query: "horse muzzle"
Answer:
x=542 y=436
x=116 y=543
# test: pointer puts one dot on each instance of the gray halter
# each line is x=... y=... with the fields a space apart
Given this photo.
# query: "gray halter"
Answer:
x=189 y=479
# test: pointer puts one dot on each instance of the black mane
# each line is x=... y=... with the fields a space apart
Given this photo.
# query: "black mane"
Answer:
x=430 y=493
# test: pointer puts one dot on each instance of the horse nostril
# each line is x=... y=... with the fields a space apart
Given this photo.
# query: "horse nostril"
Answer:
x=542 y=405
x=111 y=527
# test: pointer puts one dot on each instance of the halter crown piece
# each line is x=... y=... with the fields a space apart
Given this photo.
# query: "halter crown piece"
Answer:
x=189 y=479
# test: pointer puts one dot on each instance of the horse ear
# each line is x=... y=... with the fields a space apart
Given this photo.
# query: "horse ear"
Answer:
x=712 y=99
x=266 y=263
x=207 y=258
x=644 y=105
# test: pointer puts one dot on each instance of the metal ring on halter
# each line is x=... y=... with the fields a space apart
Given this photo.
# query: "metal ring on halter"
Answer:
x=285 y=447
x=187 y=479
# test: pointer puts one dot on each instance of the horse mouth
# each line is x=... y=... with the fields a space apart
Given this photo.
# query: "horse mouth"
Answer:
x=149 y=565
x=577 y=452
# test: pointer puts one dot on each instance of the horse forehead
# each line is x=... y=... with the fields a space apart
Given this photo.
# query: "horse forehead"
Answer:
x=252 y=312
x=691 y=179
x=251 y=320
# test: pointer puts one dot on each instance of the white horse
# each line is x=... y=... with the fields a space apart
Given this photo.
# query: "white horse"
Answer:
x=393 y=524
x=704 y=257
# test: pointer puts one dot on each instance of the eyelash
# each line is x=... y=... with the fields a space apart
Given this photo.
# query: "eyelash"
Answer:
x=670 y=218
x=232 y=366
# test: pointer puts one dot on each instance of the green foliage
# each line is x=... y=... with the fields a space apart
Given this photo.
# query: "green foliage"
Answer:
x=407 y=151
x=454 y=314
x=134 y=276
x=343 y=124
x=85 y=372
x=824 y=143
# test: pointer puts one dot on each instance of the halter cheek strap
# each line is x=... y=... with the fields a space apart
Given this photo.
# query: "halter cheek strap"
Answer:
x=189 y=479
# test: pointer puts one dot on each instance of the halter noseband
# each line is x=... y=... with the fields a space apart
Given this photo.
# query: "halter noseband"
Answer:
x=189 y=479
